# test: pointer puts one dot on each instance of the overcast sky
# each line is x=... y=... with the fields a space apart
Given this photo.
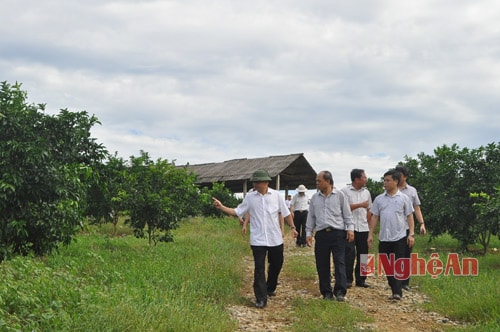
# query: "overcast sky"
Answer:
x=348 y=83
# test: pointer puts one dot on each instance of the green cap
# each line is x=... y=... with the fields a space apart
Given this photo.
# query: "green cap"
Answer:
x=260 y=175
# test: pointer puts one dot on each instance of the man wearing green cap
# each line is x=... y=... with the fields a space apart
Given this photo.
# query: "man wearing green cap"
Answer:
x=264 y=205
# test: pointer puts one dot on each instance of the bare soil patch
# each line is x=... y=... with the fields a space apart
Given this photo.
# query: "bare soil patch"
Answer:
x=406 y=315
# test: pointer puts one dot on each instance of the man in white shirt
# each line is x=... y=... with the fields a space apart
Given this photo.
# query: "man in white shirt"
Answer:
x=395 y=212
x=264 y=205
x=360 y=202
x=299 y=208
x=288 y=201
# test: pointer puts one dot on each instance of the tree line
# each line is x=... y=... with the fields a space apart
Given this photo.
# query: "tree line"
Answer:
x=54 y=177
x=459 y=189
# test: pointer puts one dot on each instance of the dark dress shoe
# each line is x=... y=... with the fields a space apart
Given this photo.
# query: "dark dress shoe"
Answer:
x=363 y=284
x=340 y=297
x=349 y=285
x=406 y=288
x=271 y=293
x=328 y=296
x=260 y=304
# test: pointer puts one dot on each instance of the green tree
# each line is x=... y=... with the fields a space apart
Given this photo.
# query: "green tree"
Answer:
x=446 y=179
x=45 y=164
x=158 y=197
x=222 y=193
x=488 y=216
x=107 y=193
x=375 y=187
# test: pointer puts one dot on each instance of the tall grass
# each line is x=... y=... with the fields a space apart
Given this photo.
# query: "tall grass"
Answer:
x=102 y=283
x=120 y=283
x=471 y=299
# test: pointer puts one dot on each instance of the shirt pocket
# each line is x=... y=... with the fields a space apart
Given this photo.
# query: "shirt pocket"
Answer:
x=399 y=215
x=272 y=212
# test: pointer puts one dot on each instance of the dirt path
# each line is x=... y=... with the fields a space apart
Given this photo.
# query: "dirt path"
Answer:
x=404 y=316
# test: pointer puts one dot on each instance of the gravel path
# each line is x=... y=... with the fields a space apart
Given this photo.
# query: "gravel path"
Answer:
x=404 y=315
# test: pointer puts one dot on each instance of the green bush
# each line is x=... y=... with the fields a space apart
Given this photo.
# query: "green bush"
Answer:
x=220 y=192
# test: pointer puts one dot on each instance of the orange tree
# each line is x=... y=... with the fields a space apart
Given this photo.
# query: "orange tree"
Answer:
x=107 y=193
x=445 y=182
x=488 y=216
x=222 y=193
x=158 y=196
x=45 y=164
x=375 y=187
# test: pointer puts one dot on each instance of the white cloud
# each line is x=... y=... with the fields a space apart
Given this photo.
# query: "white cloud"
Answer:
x=348 y=83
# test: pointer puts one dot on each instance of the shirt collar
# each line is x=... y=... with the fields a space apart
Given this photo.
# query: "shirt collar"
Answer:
x=353 y=188
x=334 y=191
x=396 y=194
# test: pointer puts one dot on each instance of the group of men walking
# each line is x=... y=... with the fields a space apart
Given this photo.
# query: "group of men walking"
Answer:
x=342 y=223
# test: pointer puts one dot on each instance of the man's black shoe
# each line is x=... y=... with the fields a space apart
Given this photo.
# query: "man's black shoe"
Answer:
x=406 y=288
x=340 y=297
x=363 y=284
x=271 y=293
x=395 y=297
x=349 y=285
x=328 y=296
x=260 y=304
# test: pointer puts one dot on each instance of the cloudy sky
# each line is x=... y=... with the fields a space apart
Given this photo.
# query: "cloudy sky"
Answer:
x=347 y=83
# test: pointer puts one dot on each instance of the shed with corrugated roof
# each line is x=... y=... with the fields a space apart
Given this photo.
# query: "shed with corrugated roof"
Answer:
x=287 y=172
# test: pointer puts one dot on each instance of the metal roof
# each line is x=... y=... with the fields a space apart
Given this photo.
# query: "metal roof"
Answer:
x=288 y=171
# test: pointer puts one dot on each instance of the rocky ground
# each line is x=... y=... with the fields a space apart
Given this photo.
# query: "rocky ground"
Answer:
x=405 y=315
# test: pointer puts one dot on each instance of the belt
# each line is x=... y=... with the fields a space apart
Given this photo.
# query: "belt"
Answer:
x=330 y=229
x=300 y=211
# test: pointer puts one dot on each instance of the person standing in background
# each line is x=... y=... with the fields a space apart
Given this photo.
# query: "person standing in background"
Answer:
x=412 y=193
x=360 y=202
x=299 y=207
x=288 y=201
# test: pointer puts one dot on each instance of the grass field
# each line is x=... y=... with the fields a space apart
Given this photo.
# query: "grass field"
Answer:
x=471 y=299
x=105 y=283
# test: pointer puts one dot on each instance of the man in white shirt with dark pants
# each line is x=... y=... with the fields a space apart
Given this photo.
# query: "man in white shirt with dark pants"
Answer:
x=360 y=202
x=264 y=205
x=299 y=208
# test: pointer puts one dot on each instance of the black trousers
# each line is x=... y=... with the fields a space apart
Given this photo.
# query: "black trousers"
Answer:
x=328 y=244
x=353 y=251
x=299 y=220
x=275 y=259
x=398 y=248
x=408 y=250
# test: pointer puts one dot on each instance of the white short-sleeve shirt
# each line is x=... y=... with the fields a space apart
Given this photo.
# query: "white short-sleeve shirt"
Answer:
x=359 y=215
x=393 y=212
x=264 y=210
